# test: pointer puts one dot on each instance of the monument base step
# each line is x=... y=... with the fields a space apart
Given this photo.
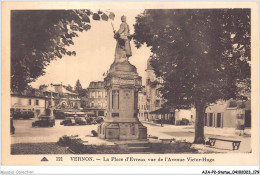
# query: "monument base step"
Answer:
x=145 y=144
x=139 y=147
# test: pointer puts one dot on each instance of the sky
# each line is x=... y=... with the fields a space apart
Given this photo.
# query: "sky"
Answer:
x=95 y=50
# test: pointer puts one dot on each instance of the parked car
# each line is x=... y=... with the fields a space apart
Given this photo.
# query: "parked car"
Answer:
x=12 y=128
x=99 y=119
x=80 y=121
x=68 y=121
x=183 y=121
x=91 y=120
x=44 y=121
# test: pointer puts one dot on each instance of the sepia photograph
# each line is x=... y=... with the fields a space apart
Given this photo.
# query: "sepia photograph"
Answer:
x=127 y=85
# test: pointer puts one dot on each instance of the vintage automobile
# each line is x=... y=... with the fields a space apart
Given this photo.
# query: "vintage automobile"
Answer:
x=12 y=129
x=183 y=121
x=99 y=119
x=91 y=120
x=80 y=121
x=44 y=121
x=68 y=121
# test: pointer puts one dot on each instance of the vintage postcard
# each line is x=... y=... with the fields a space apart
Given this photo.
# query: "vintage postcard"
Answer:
x=129 y=83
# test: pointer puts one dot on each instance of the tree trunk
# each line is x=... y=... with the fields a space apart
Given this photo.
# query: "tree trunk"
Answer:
x=199 y=124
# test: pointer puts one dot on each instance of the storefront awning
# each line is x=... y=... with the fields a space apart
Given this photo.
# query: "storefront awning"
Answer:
x=162 y=111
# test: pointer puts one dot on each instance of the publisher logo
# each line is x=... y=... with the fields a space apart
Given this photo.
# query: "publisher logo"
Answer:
x=44 y=159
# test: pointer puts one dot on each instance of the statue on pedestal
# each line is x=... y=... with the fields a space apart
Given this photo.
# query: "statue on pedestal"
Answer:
x=122 y=84
x=123 y=49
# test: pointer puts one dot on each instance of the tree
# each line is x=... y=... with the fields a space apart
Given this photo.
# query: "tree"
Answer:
x=40 y=36
x=201 y=55
x=78 y=88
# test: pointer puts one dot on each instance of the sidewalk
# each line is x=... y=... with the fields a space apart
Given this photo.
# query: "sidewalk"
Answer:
x=186 y=133
x=226 y=132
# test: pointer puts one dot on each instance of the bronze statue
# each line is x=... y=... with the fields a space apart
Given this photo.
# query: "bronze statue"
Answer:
x=123 y=37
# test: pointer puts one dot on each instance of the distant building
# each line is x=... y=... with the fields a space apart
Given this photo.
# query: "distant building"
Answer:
x=142 y=105
x=155 y=102
x=61 y=98
x=28 y=100
x=41 y=101
x=97 y=99
x=188 y=114
x=228 y=114
x=154 y=98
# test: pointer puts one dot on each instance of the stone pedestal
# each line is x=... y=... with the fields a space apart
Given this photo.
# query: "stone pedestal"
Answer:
x=121 y=123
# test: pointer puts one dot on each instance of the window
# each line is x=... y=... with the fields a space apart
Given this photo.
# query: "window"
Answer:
x=101 y=113
x=37 y=102
x=30 y=101
x=218 y=120
x=99 y=94
x=210 y=119
x=205 y=119
x=157 y=103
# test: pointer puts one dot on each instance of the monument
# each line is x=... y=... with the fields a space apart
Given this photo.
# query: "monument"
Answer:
x=122 y=84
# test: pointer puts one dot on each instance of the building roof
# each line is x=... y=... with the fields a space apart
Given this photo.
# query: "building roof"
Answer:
x=96 y=85
x=29 y=92
x=49 y=89
x=162 y=111
x=68 y=92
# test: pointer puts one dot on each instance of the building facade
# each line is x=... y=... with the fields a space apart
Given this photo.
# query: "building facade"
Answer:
x=60 y=98
x=153 y=97
x=29 y=100
x=97 y=98
x=155 y=102
x=234 y=114
x=42 y=102
x=142 y=105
